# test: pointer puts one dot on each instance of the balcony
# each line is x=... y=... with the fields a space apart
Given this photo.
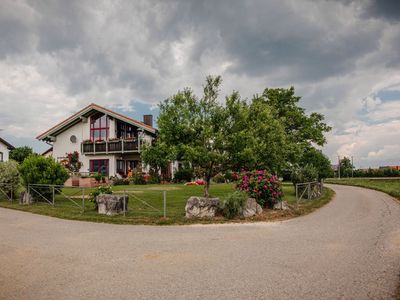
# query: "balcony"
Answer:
x=110 y=146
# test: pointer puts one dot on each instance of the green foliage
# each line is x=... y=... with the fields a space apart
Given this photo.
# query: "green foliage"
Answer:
x=138 y=178
x=346 y=167
x=383 y=172
x=120 y=181
x=156 y=156
x=99 y=177
x=20 y=153
x=264 y=187
x=317 y=159
x=183 y=175
x=234 y=204
x=219 y=178
x=308 y=173
x=155 y=178
x=270 y=132
x=100 y=190
x=9 y=177
x=37 y=169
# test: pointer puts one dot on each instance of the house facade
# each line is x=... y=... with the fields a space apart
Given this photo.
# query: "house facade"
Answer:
x=5 y=149
x=107 y=142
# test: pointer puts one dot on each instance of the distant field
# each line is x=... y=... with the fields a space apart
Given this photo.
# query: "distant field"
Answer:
x=389 y=186
x=146 y=204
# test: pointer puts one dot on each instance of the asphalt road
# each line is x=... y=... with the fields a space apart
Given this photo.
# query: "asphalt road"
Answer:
x=349 y=249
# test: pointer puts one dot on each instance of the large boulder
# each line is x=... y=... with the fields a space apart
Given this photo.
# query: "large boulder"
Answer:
x=25 y=198
x=281 y=205
x=252 y=208
x=201 y=207
x=111 y=204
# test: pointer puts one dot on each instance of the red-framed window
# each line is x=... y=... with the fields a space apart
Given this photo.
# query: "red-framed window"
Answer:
x=99 y=166
x=99 y=127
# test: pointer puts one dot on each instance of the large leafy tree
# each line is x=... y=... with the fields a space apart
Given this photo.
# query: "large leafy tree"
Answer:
x=156 y=156
x=346 y=167
x=302 y=130
x=20 y=153
x=317 y=159
x=193 y=129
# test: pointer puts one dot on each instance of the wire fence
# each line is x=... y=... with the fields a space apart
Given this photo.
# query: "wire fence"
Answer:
x=140 y=202
x=7 y=192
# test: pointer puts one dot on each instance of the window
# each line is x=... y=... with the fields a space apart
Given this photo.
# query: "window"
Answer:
x=125 y=131
x=99 y=127
x=99 y=166
x=1 y=156
x=121 y=167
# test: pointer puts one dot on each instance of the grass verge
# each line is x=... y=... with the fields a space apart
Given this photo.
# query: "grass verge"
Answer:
x=146 y=205
x=389 y=186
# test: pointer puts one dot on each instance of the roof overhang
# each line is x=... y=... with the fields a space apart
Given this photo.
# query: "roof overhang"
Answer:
x=8 y=145
x=82 y=115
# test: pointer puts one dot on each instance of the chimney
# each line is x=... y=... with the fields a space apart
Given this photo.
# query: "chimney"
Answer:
x=148 y=120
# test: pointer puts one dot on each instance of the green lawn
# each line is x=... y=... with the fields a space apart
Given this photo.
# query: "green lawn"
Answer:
x=389 y=186
x=146 y=204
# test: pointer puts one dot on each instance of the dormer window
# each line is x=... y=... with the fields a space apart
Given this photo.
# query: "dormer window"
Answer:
x=99 y=127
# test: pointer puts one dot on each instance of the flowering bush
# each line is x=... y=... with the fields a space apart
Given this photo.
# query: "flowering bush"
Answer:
x=262 y=186
x=72 y=162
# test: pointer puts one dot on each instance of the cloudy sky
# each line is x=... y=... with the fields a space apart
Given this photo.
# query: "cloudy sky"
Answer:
x=343 y=58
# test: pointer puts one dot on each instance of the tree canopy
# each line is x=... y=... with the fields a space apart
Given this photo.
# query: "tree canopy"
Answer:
x=20 y=153
x=268 y=132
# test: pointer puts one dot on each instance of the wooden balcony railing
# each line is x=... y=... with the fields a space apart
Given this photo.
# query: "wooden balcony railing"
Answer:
x=115 y=146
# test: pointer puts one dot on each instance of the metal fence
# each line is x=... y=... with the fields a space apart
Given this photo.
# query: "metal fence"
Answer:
x=6 y=191
x=141 y=201
x=308 y=191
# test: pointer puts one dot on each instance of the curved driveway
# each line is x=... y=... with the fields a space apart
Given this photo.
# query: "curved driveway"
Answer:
x=349 y=249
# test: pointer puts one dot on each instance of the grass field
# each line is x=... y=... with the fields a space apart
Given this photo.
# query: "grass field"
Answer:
x=389 y=186
x=146 y=204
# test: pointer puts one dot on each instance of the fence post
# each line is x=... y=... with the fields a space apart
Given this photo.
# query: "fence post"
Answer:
x=308 y=190
x=53 y=194
x=165 y=204
x=83 y=199
x=124 y=203
x=297 y=197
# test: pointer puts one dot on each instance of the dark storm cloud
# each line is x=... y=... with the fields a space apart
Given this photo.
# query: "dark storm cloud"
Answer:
x=386 y=9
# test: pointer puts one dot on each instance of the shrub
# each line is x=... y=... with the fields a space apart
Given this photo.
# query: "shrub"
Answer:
x=138 y=178
x=183 y=175
x=19 y=154
x=9 y=177
x=264 y=187
x=72 y=162
x=98 y=177
x=219 y=178
x=37 y=169
x=234 y=204
x=154 y=179
x=307 y=173
x=120 y=181
x=100 y=190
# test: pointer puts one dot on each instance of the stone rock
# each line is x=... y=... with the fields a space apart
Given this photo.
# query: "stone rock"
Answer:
x=252 y=208
x=201 y=207
x=111 y=204
x=25 y=198
x=281 y=205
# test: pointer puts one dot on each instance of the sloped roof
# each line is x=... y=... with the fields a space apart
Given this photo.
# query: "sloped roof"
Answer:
x=76 y=118
x=9 y=146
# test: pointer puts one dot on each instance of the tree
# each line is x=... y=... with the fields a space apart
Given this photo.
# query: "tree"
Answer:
x=302 y=131
x=192 y=129
x=316 y=158
x=346 y=167
x=156 y=156
x=9 y=177
x=20 y=153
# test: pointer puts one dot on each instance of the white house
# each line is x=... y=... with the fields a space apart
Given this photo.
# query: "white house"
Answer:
x=107 y=142
x=5 y=148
